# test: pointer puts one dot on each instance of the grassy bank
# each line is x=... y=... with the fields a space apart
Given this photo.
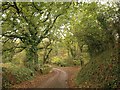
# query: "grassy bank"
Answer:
x=14 y=74
x=102 y=71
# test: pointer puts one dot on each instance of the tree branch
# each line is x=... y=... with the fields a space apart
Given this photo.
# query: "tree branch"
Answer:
x=15 y=5
x=9 y=49
x=37 y=8
x=8 y=6
x=13 y=36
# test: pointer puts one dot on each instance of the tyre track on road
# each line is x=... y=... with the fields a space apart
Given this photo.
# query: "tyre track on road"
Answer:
x=59 y=80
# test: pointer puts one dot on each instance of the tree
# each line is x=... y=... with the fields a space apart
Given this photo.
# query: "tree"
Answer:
x=110 y=22
x=87 y=28
x=30 y=22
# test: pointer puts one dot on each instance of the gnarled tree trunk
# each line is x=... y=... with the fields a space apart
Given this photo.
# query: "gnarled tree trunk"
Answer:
x=32 y=56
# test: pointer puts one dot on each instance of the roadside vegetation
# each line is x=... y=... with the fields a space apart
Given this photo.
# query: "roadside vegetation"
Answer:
x=37 y=36
x=104 y=73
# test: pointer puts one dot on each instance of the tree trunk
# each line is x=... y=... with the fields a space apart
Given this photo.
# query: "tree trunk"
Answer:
x=118 y=48
x=46 y=55
x=32 y=56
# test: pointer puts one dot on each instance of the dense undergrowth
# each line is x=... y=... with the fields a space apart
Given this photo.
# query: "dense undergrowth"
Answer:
x=64 y=62
x=102 y=71
x=14 y=74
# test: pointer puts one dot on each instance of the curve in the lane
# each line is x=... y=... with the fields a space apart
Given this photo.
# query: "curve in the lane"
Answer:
x=57 y=81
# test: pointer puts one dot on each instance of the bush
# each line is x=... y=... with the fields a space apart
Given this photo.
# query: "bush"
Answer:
x=13 y=74
x=46 y=68
x=43 y=69
x=102 y=71
x=77 y=62
x=58 y=61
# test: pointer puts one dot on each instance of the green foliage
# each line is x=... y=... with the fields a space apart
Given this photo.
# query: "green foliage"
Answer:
x=19 y=58
x=98 y=32
x=7 y=50
x=30 y=22
x=87 y=28
x=46 y=69
x=101 y=72
x=77 y=62
x=58 y=61
x=13 y=74
x=77 y=35
x=85 y=57
x=55 y=60
x=43 y=69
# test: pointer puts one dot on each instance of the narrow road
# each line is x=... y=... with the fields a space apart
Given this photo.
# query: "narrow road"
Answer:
x=61 y=77
x=59 y=80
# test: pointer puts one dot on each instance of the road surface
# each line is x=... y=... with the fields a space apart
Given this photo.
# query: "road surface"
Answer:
x=59 y=80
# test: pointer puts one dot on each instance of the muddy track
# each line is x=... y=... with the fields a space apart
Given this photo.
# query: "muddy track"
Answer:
x=59 y=80
x=60 y=77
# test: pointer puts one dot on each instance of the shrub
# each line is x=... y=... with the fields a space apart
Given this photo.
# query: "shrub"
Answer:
x=43 y=69
x=102 y=71
x=46 y=68
x=13 y=74
x=77 y=62
x=58 y=61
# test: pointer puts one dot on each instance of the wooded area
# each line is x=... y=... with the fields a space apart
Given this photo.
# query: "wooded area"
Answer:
x=37 y=36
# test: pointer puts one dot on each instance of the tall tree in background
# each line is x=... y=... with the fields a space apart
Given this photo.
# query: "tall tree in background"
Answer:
x=96 y=25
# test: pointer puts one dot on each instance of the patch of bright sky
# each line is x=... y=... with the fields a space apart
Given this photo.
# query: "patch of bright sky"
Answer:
x=18 y=20
x=3 y=15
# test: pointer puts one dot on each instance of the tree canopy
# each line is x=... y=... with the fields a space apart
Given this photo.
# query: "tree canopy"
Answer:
x=60 y=33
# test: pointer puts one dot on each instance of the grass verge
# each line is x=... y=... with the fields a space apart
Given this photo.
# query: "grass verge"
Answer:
x=102 y=71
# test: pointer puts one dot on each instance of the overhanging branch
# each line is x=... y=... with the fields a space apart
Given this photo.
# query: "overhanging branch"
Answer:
x=13 y=36
x=39 y=10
